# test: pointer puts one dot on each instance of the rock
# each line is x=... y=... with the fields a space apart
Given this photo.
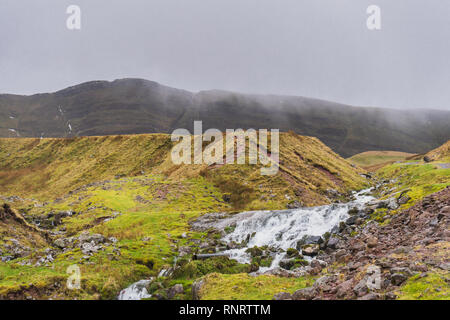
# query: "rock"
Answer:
x=305 y=294
x=434 y=222
x=353 y=211
x=294 y=204
x=404 y=199
x=351 y=221
x=291 y=252
x=397 y=279
x=185 y=250
x=113 y=240
x=370 y=296
x=316 y=263
x=333 y=193
x=255 y=251
x=322 y=284
x=340 y=253
x=445 y=266
x=333 y=242
x=345 y=289
x=390 y=296
x=402 y=249
x=279 y=272
x=176 y=289
x=307 y=240
x=361 y=288
x=311 y=250
x=392 y=204
x=95 y=238
x=427 y=159
x=60 y=243
x=282 y=296
x=196 y=288
x=372 y=242
x=287 y=264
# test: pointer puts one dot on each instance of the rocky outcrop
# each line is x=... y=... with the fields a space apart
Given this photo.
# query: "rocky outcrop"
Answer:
x=377 y=259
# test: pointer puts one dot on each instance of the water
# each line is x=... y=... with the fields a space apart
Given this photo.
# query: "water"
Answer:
x=282 y=229
x=137 y=291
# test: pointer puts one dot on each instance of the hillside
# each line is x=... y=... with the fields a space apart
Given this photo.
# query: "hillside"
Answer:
x=133 y=106
x=373 y=160
x=49 y=168
x=118 y=208
x=441 y=154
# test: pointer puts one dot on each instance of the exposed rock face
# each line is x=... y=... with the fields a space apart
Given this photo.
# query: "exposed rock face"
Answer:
x=196 y=287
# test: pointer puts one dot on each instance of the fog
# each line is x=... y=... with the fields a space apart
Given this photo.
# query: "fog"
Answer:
x=311 y=48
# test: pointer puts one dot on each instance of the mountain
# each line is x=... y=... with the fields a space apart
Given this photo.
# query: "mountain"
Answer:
x=134 y=106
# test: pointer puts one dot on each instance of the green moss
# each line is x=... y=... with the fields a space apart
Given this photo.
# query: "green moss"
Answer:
x=198 y=268
x=420 y=180
x=434 y=286
x=245 y=287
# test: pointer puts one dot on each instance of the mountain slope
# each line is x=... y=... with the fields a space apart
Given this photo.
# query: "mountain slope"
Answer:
x=134 y=106
x=49 y=168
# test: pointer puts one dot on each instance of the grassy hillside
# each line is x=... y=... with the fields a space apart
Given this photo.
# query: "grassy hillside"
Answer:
x=414 y=178
x=134 y=106
x=373 y=160
x=50 y=168
x=441 y=154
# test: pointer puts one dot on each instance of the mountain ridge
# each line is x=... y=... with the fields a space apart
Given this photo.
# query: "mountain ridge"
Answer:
x=136 y=106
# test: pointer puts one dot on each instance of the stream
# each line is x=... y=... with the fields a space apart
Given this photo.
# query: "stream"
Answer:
x=282 y=229
x=279 y=230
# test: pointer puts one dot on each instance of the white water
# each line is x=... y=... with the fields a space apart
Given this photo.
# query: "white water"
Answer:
x=282 y=229
x=137 y=291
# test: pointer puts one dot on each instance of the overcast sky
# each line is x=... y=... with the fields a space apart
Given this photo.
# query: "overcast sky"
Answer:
x=311 y=48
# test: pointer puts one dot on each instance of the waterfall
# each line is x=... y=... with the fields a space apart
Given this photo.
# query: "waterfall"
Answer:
x=282 y=229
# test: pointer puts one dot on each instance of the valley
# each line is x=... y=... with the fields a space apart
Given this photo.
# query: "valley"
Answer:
x=120 y=210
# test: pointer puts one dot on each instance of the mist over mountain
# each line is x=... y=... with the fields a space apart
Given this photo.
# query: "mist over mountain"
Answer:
x=133 y=106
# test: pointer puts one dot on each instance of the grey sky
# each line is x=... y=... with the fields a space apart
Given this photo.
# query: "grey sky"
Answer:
x=309 y=48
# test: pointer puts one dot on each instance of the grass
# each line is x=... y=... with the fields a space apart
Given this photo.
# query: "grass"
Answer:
x=377 y=159
x=433 y=286
x=244 y=287
x=161 y=220
x=45 y=169
x=416 y=180
x=127 y=187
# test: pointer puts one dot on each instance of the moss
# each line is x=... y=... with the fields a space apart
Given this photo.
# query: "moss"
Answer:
x=419 y=180
x=198 y=268
x=434 y=286
x=291 y=252
x=244 y=287
x=255 y=251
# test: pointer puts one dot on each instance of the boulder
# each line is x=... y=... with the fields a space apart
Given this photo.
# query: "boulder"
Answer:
x=397 y=279
x=361 y=288
x=345 y=289
x=372 y=242
x=196 y=288
x=333 y=242
x=282 y=296
x=305 y=294
x=311 y=250
x=307 y=240
x=176 y=289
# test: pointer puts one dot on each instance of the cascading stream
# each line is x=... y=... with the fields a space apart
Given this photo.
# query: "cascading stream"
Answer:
x=282 y=229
